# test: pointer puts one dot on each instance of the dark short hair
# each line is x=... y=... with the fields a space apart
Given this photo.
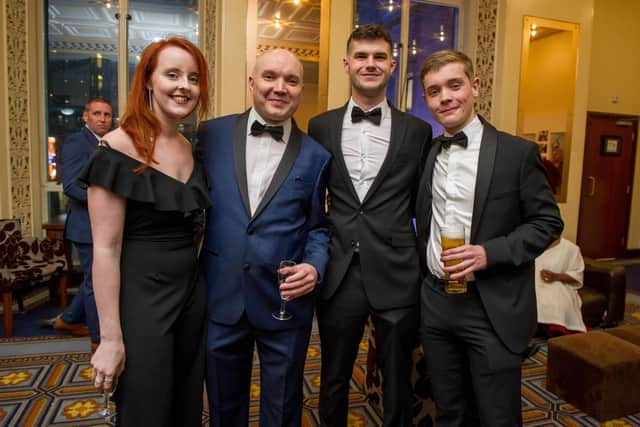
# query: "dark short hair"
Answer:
x=439 y=59
x=87 y=105
x=370 y=32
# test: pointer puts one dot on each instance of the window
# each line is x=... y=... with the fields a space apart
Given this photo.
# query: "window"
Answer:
x=430 y=27
x=83 y=61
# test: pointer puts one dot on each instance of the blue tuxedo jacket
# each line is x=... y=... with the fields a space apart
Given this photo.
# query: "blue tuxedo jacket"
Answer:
x=241 y=252
x=76 y=150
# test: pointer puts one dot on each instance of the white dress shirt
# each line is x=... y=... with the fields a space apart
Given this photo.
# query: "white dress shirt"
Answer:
x=263 y=155
x=365 y=146
x=454 y=188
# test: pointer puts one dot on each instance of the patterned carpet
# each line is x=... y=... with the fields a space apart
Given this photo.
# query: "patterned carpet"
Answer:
x=45 y=382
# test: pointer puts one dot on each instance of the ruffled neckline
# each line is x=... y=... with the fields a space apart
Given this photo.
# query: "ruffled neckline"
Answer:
x=114 y=170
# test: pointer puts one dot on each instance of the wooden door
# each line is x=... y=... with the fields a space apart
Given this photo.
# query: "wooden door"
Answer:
x=607 y=176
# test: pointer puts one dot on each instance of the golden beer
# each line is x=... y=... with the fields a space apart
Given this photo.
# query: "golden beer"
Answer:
x=452 y=236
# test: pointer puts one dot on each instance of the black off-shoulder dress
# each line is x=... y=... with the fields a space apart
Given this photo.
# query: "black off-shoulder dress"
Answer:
x=162 y=293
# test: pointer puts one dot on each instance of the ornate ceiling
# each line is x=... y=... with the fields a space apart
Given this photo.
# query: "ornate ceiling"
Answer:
x=91 y=25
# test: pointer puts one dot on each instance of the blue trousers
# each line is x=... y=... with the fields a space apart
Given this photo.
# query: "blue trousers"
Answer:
x=83 y=306
x=229 y=363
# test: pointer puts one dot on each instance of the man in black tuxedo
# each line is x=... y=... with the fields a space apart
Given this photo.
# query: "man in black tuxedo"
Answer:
x=373 y=269
x=495 y=185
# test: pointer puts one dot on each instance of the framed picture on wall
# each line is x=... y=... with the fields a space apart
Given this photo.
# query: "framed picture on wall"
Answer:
x=543 y=136
x=610 y=145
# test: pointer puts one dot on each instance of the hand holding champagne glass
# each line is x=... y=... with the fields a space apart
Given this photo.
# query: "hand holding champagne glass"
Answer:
x=282 y=313
x=452 y=236
x=107 y=411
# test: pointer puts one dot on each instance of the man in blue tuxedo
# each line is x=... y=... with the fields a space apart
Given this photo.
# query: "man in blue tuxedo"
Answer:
x=268 y=183
x=76 y=150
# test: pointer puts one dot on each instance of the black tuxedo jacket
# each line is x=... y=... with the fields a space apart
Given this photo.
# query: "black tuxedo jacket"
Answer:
x=380 y=226
x=515 y=217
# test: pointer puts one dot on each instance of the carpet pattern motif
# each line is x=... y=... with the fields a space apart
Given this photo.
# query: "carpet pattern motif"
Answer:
x=52 y=388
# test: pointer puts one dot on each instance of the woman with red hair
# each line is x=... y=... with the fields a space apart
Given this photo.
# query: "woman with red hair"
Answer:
x=147 y=195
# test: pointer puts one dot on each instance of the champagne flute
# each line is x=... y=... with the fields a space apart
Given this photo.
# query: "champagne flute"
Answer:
x=107 y=412
x=282 y=313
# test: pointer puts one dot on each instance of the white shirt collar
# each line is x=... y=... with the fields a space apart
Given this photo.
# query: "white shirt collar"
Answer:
x=99 y=138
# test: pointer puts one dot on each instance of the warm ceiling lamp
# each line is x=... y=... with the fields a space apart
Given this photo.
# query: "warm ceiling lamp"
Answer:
x=441 y=33
x=296 y=2
x=534 y=30
x=390 y=7
x=276 y=21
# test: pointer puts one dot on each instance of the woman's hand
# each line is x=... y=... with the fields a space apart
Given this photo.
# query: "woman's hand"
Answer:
x=108 y=363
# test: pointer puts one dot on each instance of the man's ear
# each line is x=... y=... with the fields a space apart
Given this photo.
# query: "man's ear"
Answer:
x=475 y=86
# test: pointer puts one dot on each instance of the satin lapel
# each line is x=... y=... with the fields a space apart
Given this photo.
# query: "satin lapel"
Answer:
x=486 y=163
x=398 y=130
x=335 y=135
x=425 y=192
x=284 y=167
x=240 y=157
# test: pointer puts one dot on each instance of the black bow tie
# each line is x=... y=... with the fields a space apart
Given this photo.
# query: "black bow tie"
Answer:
x=459 y=138
x=276 y=132
x=374 y=116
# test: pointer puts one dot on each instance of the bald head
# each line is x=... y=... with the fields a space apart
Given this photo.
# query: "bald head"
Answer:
x=277 y=55
x=276 y=85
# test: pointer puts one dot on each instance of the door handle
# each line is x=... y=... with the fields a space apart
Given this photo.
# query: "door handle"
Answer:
x=592 y=190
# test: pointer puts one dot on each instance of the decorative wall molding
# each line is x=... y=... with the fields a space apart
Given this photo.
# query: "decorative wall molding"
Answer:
x=485 y=54
x=305 y=52
x=18 y=112
x=208 y=46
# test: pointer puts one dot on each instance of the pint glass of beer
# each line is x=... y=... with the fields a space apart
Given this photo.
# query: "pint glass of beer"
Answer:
x=452 y=236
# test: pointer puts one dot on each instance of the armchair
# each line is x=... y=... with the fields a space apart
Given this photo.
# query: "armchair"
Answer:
x=603 y=293
x=26 y=262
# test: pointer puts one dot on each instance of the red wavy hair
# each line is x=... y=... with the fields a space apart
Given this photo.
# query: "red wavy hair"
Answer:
x=138 y=121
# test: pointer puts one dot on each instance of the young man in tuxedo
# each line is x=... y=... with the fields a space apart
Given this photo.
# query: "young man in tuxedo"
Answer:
x=494 y=184
x=373 y=269
x=268 y=184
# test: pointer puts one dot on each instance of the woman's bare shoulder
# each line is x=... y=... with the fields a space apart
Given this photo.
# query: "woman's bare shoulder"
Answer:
x=119 y=140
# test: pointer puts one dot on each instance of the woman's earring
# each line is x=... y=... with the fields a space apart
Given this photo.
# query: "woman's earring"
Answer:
x=149 y=93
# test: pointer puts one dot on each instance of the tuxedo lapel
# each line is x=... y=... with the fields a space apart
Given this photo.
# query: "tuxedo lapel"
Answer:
x=240 y=158
x=335 y=138
x=284 y=167
x=396 y=138
x=486 y=162
x=425 y=192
